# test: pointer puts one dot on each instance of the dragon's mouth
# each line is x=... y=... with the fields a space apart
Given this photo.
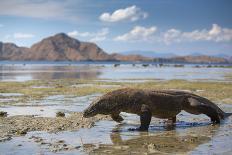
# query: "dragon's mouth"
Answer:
x=88 y=113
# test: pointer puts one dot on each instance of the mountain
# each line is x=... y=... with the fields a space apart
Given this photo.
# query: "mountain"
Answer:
x=120 y=57
x=150 y=54
x=12 y=52
x=58 y=47
x=219 y=55
x=62 y=47
x=225 y=56
x=199 y=59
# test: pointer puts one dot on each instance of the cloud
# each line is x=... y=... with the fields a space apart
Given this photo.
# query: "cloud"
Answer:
x=98 y=38
x=131 y=13
x=23 y=35
x=46 y=9
x=215 y=34
x=1 y=25
x=76 y=33
x=171 y=35
x=93 y=36
x=17 y=36
x=138 y=33
x=215 y=30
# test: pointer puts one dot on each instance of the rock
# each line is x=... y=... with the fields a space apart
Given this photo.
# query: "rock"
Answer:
x=77 y=147
x=5 y=139
x=145 y=65
x=45 y=143
x=60 y=141
x=60 y=114
x=3 y=114
x=116 y=65
x=22 y=132
x=65 y=145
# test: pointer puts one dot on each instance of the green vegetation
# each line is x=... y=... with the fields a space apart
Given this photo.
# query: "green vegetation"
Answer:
x=219 y=92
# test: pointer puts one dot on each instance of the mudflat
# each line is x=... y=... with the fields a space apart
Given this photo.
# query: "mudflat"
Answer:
x=31 y=125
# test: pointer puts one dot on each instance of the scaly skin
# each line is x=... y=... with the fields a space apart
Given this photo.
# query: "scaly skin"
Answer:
x=165 y=104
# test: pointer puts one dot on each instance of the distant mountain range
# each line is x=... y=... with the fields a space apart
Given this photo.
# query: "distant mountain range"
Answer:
x=153 y=54
x=61 y=47
x=150 y=54
x=220 y=55
x=191 y=58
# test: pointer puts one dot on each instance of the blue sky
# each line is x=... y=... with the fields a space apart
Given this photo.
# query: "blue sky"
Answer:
x=165 y=26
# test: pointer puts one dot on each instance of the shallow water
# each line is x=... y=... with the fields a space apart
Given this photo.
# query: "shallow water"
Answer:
x=193 y=134
x=24 y=71
x=48 y=106
x=108 y=137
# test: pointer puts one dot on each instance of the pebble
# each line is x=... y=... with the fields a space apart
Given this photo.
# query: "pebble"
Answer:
x=21 y=132
x=5 y=139
x=60 y=141
x=60 y=114
x=3 y=114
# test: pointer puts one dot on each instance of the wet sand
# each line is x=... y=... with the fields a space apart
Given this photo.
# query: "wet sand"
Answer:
x=100 y=135
x=21 y=124
x=32 y=127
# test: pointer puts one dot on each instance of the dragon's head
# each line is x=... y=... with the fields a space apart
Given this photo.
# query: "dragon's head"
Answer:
x=97 y=107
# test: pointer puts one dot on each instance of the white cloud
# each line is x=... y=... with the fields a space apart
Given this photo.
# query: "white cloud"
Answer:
x=23 y=35
x=37 y=9
x=215 y=30
x=138 y=33
x=170 y=35
x=131 y=13
x=98 y=38
x=93 y=36
x=76 y=33
x=216 y=34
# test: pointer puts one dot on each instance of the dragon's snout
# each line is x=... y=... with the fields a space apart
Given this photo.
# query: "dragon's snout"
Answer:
x=96 y=107
x=85 y=114
x=89 y=113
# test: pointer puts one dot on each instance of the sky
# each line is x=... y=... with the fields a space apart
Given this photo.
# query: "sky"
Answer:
x=181 y=27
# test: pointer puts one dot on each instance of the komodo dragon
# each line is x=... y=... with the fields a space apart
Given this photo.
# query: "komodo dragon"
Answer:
x=165 y=104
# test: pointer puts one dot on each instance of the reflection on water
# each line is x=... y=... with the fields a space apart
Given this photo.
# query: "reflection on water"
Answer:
x=185 y=138
x=35 y=72
x=102 y=139
x=59 y=70
x=178 y=141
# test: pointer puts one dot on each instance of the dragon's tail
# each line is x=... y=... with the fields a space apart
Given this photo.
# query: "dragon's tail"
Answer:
x=205 y=106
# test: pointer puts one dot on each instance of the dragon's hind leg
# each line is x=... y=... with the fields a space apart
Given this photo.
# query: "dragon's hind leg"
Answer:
x=210 y=112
